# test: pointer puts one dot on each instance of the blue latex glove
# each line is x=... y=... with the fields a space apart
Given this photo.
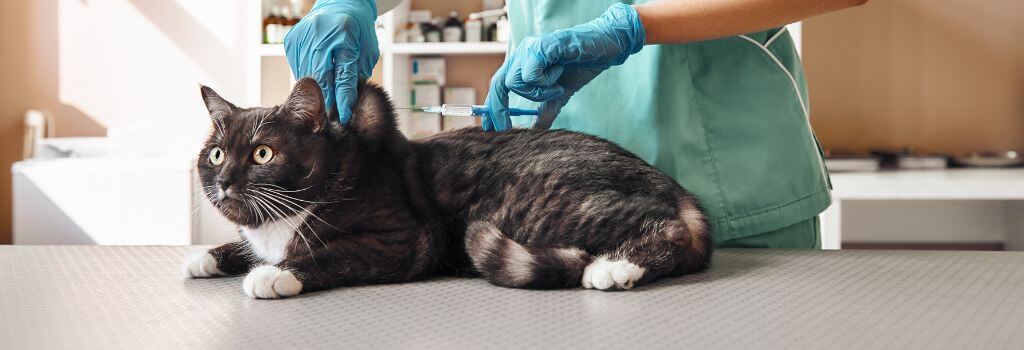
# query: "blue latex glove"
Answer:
x=336 y=45
x=550 y=68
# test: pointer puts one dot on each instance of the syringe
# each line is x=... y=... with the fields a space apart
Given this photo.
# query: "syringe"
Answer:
x=452 y=110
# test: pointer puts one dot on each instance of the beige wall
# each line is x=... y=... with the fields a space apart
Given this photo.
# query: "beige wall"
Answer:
x=13 y=102
x=942 y=75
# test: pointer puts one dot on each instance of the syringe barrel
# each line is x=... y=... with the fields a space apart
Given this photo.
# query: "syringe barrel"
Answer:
x=484 y=110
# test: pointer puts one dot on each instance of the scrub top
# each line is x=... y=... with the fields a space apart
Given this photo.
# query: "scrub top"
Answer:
x=727 y=118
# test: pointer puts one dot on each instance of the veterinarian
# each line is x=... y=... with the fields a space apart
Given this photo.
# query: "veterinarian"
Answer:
x=710 y=92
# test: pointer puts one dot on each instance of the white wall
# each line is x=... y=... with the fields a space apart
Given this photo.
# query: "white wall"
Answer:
x=130 y=65
x=135 y=65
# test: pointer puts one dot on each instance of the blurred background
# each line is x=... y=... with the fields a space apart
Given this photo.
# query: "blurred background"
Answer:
x=919 y=103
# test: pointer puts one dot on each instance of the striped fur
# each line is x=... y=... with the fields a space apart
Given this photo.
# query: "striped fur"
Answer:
x=508 y=263
x=523 y=208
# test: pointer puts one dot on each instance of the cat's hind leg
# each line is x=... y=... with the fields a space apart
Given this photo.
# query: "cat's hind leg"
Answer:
x=671 y=246
x=505 y=262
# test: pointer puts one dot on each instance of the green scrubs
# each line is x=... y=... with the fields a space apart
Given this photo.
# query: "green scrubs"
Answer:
x=727 y=118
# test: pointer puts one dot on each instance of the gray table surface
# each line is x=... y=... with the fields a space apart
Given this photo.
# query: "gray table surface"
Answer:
x=135 y=297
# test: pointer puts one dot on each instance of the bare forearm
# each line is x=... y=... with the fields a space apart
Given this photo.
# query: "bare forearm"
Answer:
x=682 y=21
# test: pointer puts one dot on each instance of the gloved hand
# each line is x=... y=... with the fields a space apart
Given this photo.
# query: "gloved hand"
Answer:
x=552 y=67
x=336 y=45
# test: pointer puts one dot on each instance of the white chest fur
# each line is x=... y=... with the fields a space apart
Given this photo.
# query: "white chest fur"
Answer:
x=270 y=241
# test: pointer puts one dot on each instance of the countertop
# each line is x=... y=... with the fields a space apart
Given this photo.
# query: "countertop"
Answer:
x=135 y=297
x=937 y=184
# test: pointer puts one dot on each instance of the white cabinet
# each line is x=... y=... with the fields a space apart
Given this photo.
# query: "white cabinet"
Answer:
x=113 y=201
x=133 y=201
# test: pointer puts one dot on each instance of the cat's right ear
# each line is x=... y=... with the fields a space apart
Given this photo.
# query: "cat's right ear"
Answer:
x=306 y=103
x=219 y=107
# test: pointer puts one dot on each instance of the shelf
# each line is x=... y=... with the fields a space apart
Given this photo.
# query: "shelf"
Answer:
x=488 y=48
x=484 y=48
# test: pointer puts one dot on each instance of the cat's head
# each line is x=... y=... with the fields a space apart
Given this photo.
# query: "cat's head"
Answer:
x=261 y=164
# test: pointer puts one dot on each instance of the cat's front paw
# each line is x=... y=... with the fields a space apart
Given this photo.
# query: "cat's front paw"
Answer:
x=271 y=282
x=201 y=264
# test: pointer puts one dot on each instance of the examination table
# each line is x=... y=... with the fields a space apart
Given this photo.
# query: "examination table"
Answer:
x=136 y=297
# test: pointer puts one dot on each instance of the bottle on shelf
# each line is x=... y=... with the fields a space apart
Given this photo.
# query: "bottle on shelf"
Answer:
x=431 y=31
x=503 y=30
x=474 y=29
x=485 y=23
x=297 y=15
x=270 y=27
x=492 y=31
x=278 y=26
x=287 y=21
x=453 y=28
x=414 y=33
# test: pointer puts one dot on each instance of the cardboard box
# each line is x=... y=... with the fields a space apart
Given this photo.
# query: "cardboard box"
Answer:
x=420 y=16
x=423 y=124
x=460 y=96
x=425 y=95
x=427 y=70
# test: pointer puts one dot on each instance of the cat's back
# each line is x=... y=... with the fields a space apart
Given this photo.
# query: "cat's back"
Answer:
x=557 y=156
x=521 y=144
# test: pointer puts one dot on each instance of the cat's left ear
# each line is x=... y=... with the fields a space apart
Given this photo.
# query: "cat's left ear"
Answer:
x=306 y=103
x=219 y=107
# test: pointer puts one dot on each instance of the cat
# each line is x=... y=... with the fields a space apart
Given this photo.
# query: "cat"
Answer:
x=321 y=205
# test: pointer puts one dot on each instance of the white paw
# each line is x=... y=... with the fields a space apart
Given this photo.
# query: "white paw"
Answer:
x=200 y=264
x=269 y=282
x=604 y=274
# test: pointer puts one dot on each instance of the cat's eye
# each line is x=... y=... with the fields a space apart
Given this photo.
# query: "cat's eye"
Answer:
x=216 y=156
x=262 y=154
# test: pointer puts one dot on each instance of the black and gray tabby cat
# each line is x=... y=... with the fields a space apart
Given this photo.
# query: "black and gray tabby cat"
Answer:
x=322 y=205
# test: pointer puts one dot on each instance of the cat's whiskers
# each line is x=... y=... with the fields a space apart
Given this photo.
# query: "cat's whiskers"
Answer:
x=278 y=190
x=199 y=202
x=197 y=205
x=266 y=214
x=289 y=199
x=282 y=217
x=281 y=189
x=271 y=190
x=295 y=211
x=259 y=124
x=267 y=185
x=248 y=205
x=311 y=170
x=258 y=212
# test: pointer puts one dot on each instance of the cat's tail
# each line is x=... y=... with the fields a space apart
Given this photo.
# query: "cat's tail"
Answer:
x=508 y=263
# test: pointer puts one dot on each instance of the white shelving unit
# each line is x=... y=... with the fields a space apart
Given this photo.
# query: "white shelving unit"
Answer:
x=487 y=48
x=948 y=185
x=266 y=65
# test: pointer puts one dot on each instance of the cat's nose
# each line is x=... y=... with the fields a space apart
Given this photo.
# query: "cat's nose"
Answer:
x=225 y=187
